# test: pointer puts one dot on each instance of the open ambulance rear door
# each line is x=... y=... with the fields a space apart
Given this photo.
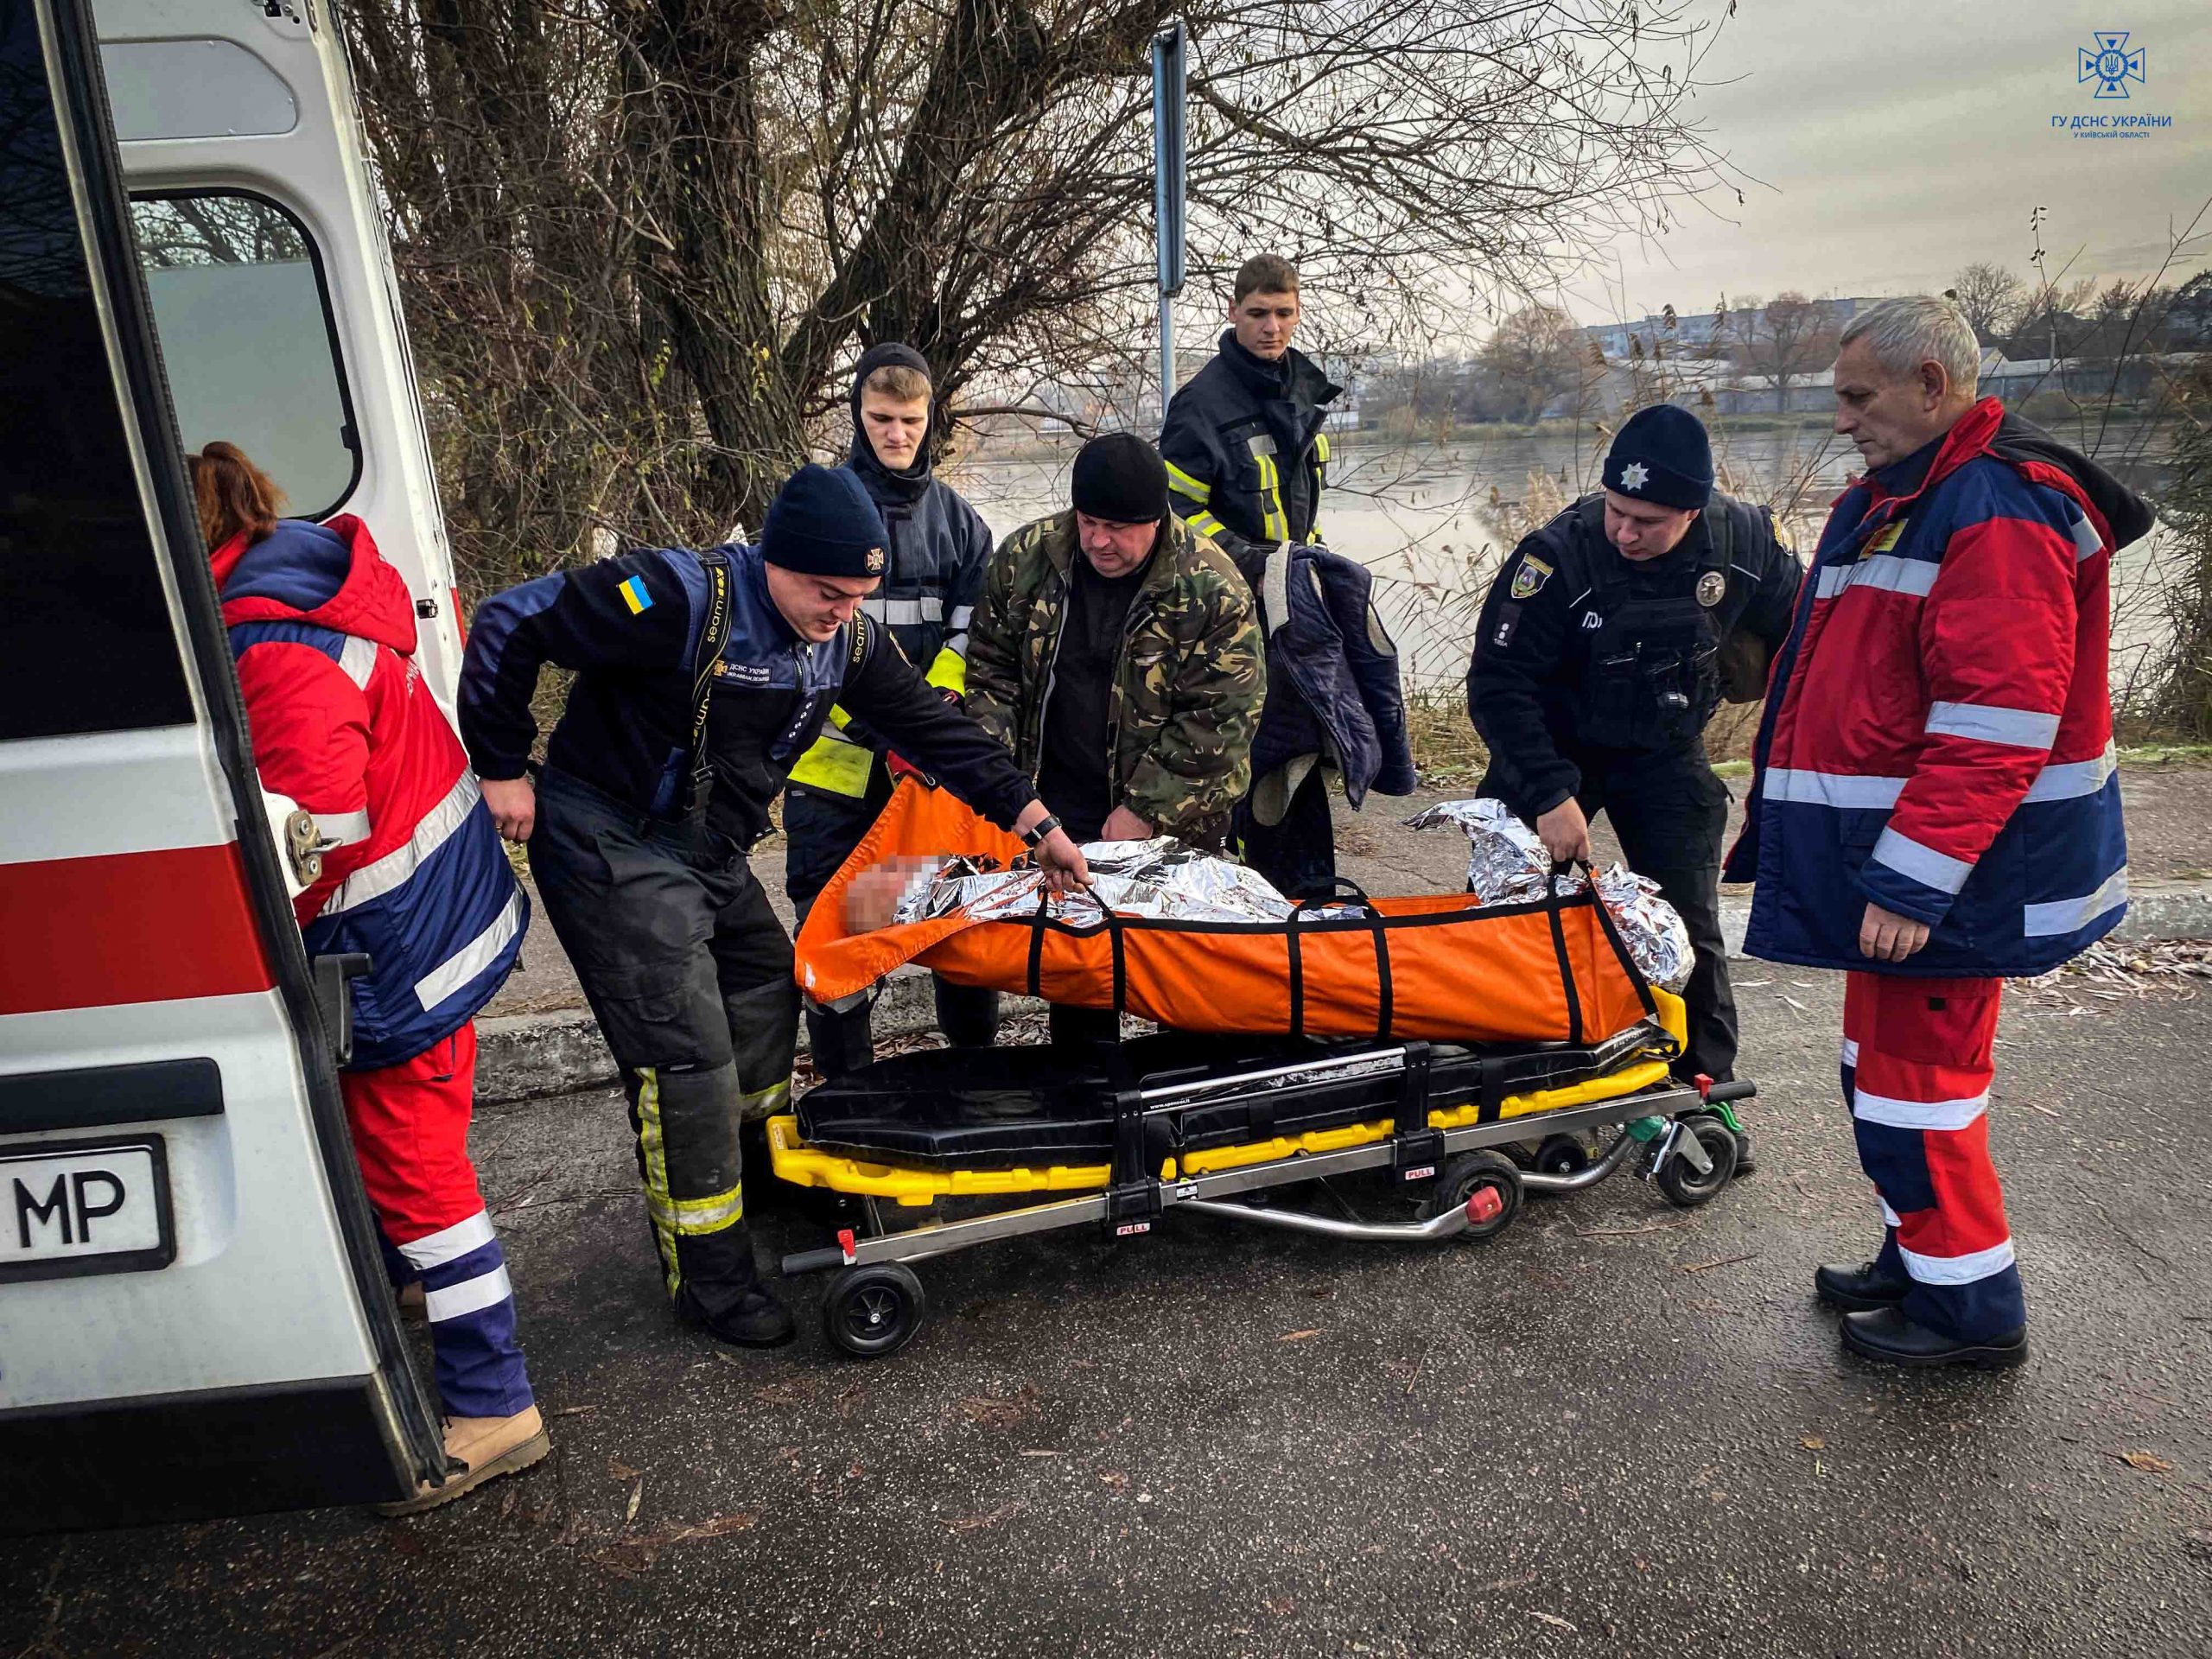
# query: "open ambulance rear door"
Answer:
x=192 y=1315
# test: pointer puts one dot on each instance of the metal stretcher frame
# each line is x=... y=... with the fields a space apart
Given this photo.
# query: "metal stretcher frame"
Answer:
x=1203 y=1193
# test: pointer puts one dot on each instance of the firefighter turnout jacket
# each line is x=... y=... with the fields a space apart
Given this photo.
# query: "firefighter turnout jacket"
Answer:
x=1247 y=459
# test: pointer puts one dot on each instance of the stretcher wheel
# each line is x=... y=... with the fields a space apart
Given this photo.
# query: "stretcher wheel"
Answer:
x=1681 y=1184
x=873 y=1311
x=1563 y=1154
x=1465 y=1173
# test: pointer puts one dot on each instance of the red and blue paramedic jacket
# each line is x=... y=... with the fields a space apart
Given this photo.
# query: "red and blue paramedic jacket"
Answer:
x=1937 y=737
x=323 y=631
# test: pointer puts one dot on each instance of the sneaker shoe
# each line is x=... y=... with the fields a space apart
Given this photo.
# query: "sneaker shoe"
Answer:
x=487 y=1448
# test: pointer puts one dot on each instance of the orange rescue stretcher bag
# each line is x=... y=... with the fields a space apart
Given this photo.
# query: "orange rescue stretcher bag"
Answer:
x=1441 y=968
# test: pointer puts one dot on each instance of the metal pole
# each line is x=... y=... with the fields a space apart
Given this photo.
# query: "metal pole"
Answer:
x=1166 y=354
x=1169 y=49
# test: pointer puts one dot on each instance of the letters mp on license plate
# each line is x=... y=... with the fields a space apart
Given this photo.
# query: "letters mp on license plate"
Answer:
x=85 y=1206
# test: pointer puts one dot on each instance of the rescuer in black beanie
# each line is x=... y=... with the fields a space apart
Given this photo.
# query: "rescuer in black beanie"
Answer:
x=1121 y=478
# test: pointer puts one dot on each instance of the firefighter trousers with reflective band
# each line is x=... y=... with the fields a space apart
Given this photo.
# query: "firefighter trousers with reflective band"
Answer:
x=1916 y=1071
x=821 y=829
x=410 y=1138
x=688 y=972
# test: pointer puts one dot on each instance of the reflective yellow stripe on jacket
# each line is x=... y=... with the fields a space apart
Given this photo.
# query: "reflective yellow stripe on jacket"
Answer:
x=1192 y=489
x=834 y=763
x=1274 y=521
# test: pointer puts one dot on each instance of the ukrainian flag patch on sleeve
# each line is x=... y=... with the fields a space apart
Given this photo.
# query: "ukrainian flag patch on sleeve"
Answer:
x=635 y=596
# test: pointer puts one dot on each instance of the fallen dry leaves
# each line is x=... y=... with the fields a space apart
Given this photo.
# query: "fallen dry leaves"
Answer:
x=2147 y=1462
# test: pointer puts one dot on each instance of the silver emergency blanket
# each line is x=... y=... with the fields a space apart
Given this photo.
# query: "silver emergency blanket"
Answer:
x=1508 y=865
x=1162 y=879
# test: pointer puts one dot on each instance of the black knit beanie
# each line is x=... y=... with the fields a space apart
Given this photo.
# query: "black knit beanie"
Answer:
x=823 y=522
x=1661 y=456
x=1121 y=478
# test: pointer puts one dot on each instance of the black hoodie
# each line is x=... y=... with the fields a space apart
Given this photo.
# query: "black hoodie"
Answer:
x=939 y=547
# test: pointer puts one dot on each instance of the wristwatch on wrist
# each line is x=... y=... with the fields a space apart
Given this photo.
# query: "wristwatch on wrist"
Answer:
x=1035 y=833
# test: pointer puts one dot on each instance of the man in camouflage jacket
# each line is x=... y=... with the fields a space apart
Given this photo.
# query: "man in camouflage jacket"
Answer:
x=1116 y=654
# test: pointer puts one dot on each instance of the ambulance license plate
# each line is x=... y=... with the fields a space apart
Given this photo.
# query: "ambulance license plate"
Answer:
x=73 y=1207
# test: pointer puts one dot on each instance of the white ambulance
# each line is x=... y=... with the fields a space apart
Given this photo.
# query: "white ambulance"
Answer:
x=194 y=1319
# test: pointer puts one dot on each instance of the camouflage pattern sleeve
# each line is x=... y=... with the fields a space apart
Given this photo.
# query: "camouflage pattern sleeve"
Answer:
x=994 y=647
x=1201 y=765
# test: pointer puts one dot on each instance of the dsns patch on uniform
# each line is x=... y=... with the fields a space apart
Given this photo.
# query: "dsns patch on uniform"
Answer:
x=1531 y=576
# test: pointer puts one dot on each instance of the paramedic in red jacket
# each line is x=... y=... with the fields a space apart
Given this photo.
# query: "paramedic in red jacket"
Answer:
x=1935 y=808
x=323 y=631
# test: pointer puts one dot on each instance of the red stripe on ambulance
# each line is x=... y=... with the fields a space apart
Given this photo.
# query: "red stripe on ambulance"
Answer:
x=133 y=927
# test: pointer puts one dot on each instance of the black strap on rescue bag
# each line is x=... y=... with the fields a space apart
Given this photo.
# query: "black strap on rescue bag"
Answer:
x=1553 y=906
x=1342 y=887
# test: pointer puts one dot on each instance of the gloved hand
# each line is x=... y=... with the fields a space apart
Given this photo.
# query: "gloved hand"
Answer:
x=900 y=766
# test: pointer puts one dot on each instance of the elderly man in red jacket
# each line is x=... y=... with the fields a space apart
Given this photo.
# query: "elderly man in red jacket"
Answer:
x=1935 y=807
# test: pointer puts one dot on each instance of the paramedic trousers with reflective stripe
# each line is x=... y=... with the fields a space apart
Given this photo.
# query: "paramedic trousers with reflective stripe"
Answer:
x=688 y=972
x=411 y=1137
x=1916 y=1071
x=821 y=829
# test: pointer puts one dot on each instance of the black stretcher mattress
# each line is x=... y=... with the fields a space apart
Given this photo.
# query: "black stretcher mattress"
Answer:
x=996 y=1108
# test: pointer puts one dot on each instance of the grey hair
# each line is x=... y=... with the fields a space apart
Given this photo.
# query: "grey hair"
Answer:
x=1905 y=334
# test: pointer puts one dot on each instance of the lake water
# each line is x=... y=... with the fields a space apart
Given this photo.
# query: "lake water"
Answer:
x=1433 y=522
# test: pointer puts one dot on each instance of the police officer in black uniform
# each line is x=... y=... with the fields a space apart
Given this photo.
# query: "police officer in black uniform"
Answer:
x=701 y=677
x=1605 y=645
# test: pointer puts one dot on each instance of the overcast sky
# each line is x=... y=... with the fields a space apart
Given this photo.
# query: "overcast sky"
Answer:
x=1897 y=140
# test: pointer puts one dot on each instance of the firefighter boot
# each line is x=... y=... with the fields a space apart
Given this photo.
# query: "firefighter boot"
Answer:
x=688 y=1133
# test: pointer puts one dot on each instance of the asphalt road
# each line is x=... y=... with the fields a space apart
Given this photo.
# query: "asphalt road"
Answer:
x=1618 y=1428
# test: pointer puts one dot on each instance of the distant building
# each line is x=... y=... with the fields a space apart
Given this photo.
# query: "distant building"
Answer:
x=1690 y=334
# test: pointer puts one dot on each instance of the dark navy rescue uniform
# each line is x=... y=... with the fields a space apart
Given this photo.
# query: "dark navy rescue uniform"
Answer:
x=639 y=854
x=939 y=547
x=1594 y=676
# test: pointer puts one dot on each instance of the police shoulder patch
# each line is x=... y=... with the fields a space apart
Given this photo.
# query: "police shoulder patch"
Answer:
x=1531 y=574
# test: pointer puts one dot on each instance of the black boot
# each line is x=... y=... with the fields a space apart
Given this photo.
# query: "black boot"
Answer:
x=1744 y=1163
x=1858 y=1288
x=752 y=1317
x=1886 y=1335
x=843 y=1041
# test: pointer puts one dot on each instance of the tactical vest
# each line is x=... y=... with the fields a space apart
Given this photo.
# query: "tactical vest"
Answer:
x=1651 y=675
